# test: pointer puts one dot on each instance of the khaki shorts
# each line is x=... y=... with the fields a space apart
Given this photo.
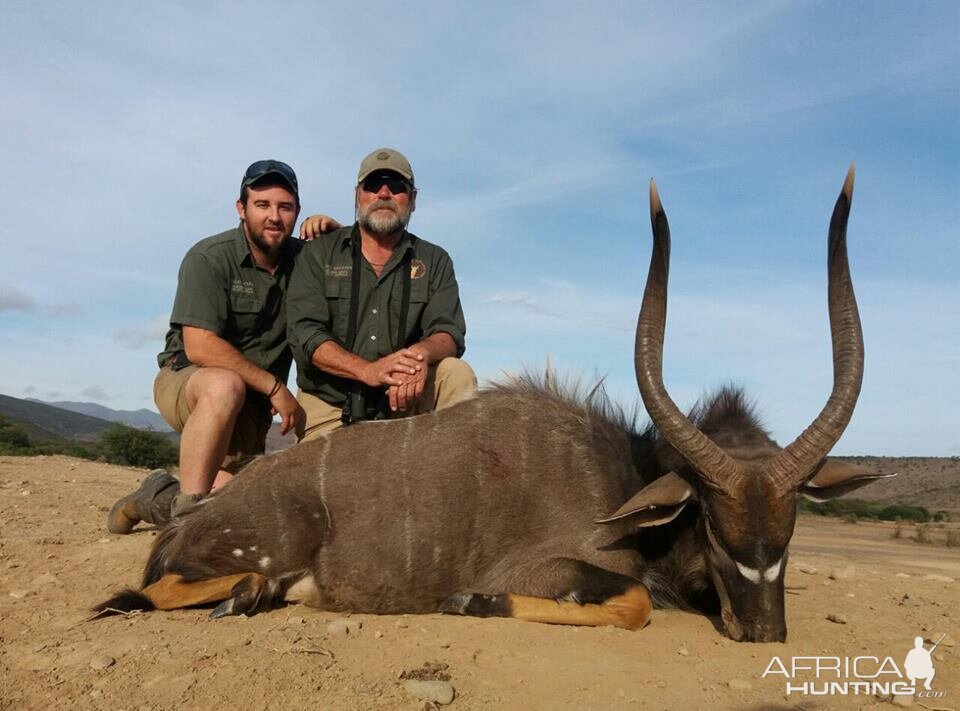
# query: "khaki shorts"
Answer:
x=249 y=432
x=448 y=382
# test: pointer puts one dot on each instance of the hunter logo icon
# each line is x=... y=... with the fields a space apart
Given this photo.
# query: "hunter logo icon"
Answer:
x=919 y=663
x=383 y=155
x=417 y=269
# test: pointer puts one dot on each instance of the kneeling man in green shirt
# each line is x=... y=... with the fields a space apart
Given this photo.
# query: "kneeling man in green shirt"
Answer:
x=373 y=312
x=224 y=369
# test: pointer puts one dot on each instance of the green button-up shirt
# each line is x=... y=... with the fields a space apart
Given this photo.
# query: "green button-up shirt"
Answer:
x=221 y=289
x=318 y=305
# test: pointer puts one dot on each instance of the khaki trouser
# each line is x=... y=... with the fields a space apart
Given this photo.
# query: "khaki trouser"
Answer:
x=448 y=382
x=249 y=431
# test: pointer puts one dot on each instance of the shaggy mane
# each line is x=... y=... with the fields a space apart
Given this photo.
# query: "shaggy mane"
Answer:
x=726 y=416
x=730 y=419
x=588 y=401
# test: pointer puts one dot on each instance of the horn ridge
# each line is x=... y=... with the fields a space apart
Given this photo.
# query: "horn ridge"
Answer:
x=797 y=461
x=713 y=464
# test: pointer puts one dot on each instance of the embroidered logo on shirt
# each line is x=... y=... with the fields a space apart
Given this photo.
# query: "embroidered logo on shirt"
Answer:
x=337 y=272
x=417 y=269
x=242 y=287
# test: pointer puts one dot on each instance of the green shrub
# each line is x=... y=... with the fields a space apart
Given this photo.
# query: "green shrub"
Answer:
x=857 y=508
x=905 y=513
x=12 y=450
x=12 y=437
x=137 y=448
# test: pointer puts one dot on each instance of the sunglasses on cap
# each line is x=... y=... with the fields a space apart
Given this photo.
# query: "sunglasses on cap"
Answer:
x=396 y=184
x=263 y=168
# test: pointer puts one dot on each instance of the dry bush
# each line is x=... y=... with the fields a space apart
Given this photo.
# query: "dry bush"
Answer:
x=897 y=531
x=953 y=538
x=923 y=535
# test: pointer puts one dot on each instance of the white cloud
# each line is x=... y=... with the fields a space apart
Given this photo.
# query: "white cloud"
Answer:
x=95 y=392
x=149 y=335
x=12 y=299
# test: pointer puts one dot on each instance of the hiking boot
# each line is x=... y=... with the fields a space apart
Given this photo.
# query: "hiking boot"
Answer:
x=151 y=503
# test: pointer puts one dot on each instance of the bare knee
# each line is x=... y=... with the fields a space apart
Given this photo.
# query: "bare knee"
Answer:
x=217 y=389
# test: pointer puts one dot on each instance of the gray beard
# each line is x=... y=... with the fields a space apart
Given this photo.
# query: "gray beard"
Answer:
x=382 y=222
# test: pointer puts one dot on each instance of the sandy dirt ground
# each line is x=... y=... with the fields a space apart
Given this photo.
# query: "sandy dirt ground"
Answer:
x=853 y=591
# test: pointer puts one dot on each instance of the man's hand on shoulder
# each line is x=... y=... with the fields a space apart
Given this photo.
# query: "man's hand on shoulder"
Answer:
x=283 y=403
x=317 y=225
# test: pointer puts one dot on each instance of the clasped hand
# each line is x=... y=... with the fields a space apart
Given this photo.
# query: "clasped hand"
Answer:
x=404 y=372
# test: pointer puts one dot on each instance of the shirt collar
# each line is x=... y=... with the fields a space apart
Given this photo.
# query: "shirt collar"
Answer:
x=347 y=237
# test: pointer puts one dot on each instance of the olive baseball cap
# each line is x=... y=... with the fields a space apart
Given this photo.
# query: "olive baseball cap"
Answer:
x=385 y=159
x=262 y=168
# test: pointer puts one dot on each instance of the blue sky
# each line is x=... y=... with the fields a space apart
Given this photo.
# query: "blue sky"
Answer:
x=533 y=129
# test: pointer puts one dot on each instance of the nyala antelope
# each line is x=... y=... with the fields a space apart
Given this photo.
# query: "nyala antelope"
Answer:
x=530 y=502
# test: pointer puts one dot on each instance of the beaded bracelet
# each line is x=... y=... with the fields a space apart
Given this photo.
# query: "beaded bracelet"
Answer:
x=276 y=388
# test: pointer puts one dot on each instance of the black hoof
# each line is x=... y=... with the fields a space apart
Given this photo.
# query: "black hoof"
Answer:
x=457 y=604
x=224 y=609
x=477 y=605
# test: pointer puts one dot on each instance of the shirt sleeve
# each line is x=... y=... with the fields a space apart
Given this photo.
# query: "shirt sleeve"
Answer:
x=309 y=322
x=202 y=300
x=443 y=312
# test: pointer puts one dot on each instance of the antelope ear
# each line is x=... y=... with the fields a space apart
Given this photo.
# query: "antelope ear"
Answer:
x=835 y=478
x=657 y=503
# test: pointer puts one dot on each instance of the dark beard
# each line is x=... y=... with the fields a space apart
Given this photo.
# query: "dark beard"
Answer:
x=260 y=243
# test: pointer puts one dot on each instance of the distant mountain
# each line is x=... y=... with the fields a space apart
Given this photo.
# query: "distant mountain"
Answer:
x=143 y=418
x=933 y=482
x=46 y=423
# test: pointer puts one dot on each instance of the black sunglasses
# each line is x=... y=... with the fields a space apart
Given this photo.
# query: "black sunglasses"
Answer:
x=395 y=183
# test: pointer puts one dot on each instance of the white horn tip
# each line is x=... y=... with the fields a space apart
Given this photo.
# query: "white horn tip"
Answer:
x=848 y=183
x=655 y=205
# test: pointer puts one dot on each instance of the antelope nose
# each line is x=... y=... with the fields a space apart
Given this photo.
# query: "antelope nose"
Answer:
x=766 y=633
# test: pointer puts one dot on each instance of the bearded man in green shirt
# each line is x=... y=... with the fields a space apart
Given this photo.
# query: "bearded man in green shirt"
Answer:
x=374 y=316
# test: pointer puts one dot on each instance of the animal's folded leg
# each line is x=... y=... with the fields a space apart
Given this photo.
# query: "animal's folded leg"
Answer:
x=563 y=591
x=172 y=592
x=631 y=610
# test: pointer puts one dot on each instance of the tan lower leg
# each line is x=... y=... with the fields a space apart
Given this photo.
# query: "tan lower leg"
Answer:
x=322 y=418
x=449 y=381
x=631 y=610
x=172 y=593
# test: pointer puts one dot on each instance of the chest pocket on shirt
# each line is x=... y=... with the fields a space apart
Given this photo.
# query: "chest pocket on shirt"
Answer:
x=419 y=296
x=337 y=293
x=245 y=312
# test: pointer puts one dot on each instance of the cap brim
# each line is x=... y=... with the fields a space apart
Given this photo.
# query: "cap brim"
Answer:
x=274 y=174
x=381 y=169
